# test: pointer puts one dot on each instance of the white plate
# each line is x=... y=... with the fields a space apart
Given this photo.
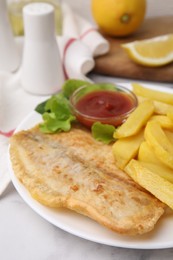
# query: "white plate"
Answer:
x=81 y=226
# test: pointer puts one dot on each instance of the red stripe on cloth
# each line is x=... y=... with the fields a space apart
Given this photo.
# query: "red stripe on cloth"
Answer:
x=7 y=134
x=87 y=32
x=69 y=42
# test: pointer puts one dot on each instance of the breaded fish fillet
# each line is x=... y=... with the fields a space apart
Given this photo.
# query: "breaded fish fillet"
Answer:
x=74 y=171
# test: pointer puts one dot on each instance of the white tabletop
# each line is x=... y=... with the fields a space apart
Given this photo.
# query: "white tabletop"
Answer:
x=24 y=235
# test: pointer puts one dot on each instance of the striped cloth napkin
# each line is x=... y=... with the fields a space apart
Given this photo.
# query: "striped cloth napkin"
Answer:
x=78 y=45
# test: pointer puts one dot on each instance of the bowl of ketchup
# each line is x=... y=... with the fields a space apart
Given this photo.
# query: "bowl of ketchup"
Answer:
x=105 y=103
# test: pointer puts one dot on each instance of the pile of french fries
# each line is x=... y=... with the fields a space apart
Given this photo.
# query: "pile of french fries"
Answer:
x=144 y=143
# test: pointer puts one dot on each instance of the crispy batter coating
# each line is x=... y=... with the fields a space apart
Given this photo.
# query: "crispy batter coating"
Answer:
x=74 y=171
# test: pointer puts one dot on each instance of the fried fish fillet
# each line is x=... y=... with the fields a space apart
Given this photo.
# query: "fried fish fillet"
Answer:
x=74 y=171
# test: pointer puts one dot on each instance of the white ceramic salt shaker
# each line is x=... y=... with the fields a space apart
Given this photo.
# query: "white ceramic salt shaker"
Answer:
x=42 y=72
x=9 y=53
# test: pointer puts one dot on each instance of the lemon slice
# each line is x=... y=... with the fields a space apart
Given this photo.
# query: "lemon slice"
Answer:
x=152 y=52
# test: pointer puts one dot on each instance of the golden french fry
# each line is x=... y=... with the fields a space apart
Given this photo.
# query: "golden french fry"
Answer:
x=159 y=142
x=151 y=181
x=160 y=108
x=127 y=148
x=164 y=121
x=162 y=170
x=169 y=134
x=136 y=120
x=146 y=154
x=148 y=159
x=140 y=90
x=170 y=114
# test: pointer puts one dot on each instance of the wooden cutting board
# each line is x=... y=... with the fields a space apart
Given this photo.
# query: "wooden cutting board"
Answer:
x=117 y=63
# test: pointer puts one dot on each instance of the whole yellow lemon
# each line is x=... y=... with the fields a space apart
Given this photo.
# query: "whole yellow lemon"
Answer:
x=118 y=17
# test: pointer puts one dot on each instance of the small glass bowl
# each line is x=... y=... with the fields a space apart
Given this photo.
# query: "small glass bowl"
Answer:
x=87 y=119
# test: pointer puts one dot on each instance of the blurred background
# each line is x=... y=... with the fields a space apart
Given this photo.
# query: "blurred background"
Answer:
x=116 y=63
x=83 y=7
x=154 y=7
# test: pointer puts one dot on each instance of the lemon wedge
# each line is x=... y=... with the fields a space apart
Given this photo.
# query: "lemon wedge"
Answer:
x=157 y=51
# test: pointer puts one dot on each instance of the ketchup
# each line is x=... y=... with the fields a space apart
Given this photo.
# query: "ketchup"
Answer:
x=105 y=105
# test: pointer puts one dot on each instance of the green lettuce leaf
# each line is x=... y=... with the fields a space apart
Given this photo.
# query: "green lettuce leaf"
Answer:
x=104 y=86
x=58 y=116
x=40 y=108
x=71 y=85
x=58 y=103
x=53 y=124
x=67 y=89
x=103 y=132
